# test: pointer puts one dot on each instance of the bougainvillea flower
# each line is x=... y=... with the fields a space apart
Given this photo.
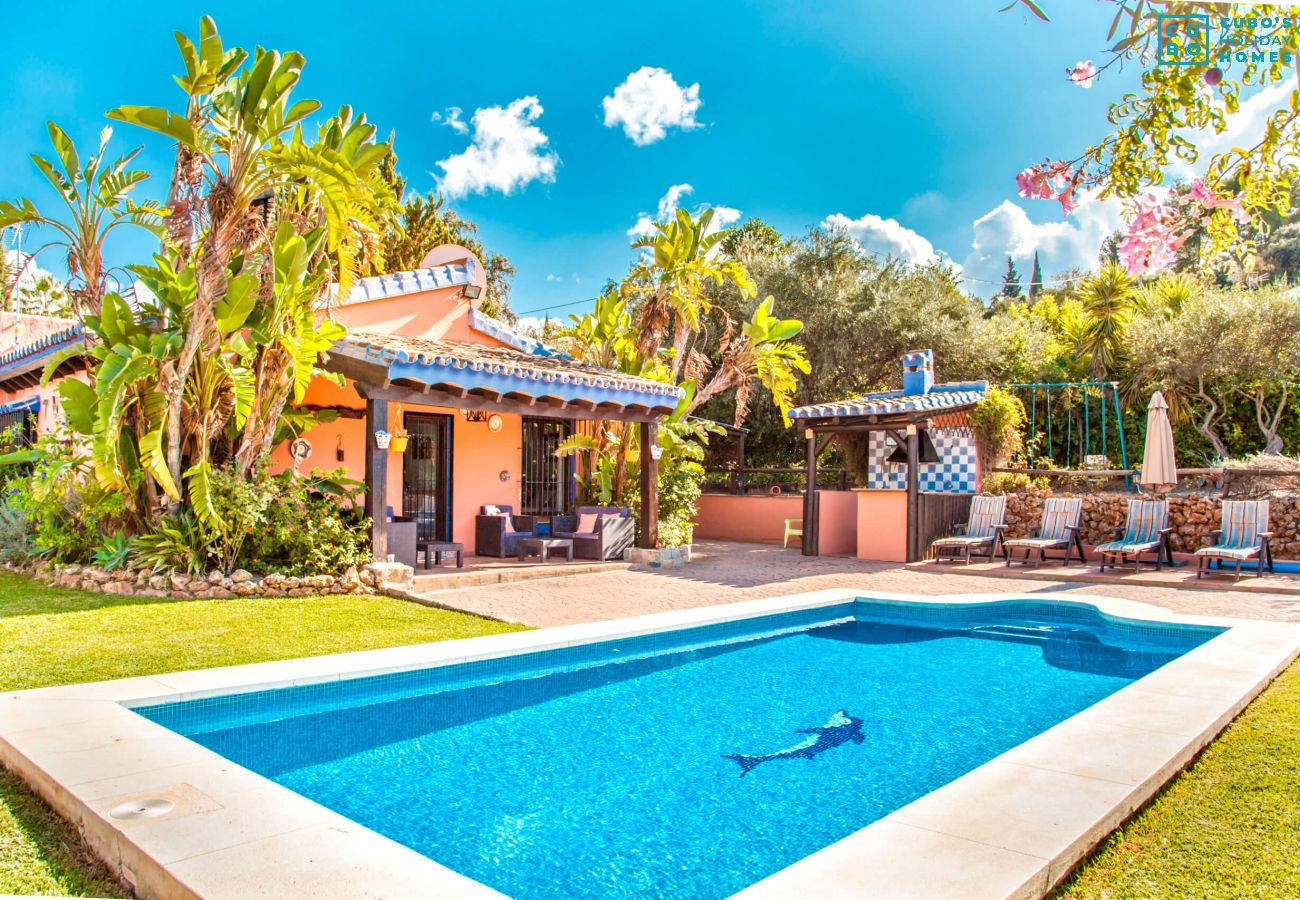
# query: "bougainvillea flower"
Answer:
x=1083 y=73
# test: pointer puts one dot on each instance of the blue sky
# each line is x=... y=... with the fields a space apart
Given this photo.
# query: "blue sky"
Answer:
x=917 y=112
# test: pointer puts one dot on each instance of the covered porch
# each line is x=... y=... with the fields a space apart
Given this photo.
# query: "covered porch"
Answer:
x=502 y=387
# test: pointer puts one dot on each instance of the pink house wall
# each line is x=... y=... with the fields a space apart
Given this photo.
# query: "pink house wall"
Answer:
x=837 y=533
x=760 y=518
x=479 y=456
x=754 y=517
x=882 y=525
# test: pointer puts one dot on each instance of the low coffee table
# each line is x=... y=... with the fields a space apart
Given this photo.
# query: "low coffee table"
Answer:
x=542 y=547
x=433 y=552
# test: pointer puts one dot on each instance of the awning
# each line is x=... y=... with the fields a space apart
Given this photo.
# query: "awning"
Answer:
x=465 y=375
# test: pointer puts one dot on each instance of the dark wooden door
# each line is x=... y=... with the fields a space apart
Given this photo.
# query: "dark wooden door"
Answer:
x=426 y=475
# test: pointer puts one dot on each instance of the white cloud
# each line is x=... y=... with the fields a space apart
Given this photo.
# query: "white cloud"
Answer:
x=506 y=152
x=452 y=119
x=1007 y=229
x=551 y=276
x=29 y=273
x=723 y=216
x=648 y=103
x=884 y=237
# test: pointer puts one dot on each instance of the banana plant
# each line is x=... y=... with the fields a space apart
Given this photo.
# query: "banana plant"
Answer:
x=96 y=195
x=668 y=284
x=762 y=352
x=244 y=168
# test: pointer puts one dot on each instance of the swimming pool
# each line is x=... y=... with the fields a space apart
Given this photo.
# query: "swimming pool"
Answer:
x=688 y=762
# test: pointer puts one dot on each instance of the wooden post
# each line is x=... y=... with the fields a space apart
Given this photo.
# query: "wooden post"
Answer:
x=913 y=479
x=649 y=537
x=377 y=478
x=740 y=464
x=809 y=497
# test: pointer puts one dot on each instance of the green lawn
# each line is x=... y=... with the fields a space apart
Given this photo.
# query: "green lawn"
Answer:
x=51 y=636
x=1228 y=827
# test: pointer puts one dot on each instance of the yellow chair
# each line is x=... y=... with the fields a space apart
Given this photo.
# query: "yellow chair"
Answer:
x=793 y=528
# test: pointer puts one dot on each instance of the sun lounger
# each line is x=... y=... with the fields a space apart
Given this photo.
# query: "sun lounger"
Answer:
x=1244 y=535
x=980 y=535
x=1059 y=530
x=1146 y=531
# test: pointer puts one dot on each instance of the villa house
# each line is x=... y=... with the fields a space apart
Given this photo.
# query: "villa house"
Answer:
x=482 y=405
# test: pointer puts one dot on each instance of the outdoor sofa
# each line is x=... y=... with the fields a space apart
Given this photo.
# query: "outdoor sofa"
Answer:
x=597 y=532
x=497 y=531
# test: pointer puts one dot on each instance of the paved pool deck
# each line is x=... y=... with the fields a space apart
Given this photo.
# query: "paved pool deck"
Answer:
x=724 y=572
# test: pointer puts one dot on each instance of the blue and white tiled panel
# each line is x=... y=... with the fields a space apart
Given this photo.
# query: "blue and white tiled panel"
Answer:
x=954 y=473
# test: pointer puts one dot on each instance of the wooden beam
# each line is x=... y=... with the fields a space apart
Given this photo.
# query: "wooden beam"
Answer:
x=377 y=478
x=913 y=498
x=649 y=530
x=538 y=407
x=809 y=543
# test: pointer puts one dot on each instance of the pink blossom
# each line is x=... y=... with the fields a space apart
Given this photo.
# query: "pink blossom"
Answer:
x=1204 y=195
x=1083 y=73
x=1049 y=181
x=1154 y=236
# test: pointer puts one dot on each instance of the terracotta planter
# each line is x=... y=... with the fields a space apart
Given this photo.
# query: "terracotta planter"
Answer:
x=397 y=443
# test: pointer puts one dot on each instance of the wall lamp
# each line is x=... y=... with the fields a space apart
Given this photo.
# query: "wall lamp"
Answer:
x=471 y=291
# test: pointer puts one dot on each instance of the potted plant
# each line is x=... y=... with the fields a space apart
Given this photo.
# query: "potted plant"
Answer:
x=399 y=439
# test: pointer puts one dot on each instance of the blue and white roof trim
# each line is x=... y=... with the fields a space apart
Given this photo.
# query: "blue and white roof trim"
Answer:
x=940 y=398
x=28 y=357
x=503 y=371
x=380 y=287
x=28 y=404
x=495 y=328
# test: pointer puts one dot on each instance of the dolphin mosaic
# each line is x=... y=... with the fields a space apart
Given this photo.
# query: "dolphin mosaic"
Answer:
x=839 y=729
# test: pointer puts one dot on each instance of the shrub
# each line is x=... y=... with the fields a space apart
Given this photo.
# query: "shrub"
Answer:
x=173 y=544
x=312 y=525
x=999 y=421
x=239 y=505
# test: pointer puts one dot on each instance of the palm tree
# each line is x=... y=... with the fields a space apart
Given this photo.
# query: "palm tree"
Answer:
x=1110 y=301
x=97 y=195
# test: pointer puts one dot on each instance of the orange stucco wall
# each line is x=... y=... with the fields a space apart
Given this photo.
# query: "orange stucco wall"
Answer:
x=754 y=517
x=760 y=518
x=479 y=456
x=882 y=525
x=837 y=523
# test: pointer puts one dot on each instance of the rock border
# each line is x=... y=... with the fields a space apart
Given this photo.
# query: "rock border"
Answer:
x=662 y=558
x=369 y=579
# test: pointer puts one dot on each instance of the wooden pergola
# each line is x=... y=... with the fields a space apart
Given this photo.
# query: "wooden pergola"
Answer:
x=388 y=368
x=904 y=418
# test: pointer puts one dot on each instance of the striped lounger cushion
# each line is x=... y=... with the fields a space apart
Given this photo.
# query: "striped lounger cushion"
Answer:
x=1059 y=513
x=986 y=514
x=1243 y=522
x=1146 y=519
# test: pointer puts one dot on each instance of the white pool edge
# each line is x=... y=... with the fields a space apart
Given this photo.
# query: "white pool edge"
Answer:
x=1012 y=827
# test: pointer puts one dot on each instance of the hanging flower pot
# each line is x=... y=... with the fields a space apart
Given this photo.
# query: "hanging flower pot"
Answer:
x=398 y=442
x=382 y=438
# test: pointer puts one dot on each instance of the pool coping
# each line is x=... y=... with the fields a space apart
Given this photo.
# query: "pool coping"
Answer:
x=1012 y=827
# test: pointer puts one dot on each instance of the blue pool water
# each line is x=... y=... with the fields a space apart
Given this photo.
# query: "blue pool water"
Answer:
x=615 y=769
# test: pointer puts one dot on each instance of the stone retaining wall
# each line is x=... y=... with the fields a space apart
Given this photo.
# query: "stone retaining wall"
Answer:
x=1192 y=516
x=239 y=583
